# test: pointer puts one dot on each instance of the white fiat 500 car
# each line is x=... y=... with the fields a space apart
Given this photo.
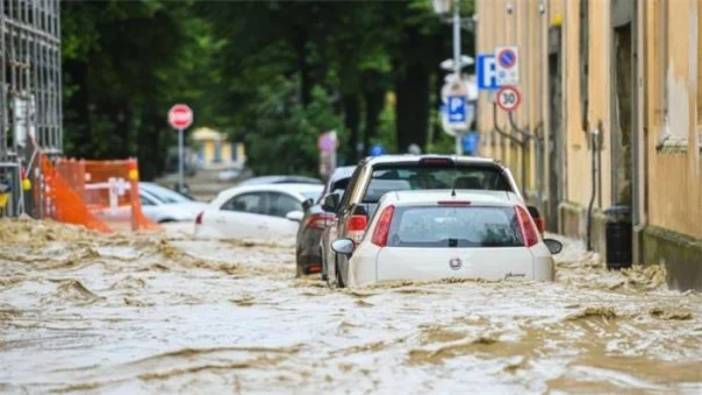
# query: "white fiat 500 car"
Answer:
x=430 y=235
x=256 y=211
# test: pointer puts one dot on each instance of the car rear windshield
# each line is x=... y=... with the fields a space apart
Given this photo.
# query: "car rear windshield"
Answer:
x=403 y=177
x=444 y=226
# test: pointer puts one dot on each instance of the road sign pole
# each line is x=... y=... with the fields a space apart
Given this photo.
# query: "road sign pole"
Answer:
x=180 y=117
x=457 y=60
x=181 y=181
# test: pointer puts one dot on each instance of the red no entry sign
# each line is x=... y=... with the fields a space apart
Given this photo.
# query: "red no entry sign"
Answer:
x=508 y=98
x=180 y=116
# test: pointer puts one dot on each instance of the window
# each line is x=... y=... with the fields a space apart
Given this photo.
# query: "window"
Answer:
x=674 y=125
x=352 y=184
x=281 y=204
x=418 y=177
x=247 y=203
x=311 y=195
x=340 y=185
x=473 y=226
x=164 y=194
x=146 y=201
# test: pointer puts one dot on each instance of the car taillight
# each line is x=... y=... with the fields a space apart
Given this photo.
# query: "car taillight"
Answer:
x=319 y=220
x=529 y=232
x=356 y=227
x=382 y=229
x=198 y=219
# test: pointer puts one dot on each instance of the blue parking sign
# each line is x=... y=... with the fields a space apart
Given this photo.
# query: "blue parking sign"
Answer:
x=486 y=71
x=457 y=109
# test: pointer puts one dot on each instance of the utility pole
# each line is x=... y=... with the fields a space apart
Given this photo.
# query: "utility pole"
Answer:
x=457 y=113
x=457 y=60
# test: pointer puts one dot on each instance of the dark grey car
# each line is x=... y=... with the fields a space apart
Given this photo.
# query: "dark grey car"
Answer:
x=315 y=221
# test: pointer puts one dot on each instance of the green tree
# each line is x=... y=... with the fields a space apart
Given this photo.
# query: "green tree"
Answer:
x=283 y=127
x=273 y=74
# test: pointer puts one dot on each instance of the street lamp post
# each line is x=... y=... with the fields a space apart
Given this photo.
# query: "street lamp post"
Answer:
x=457 y=61
x=443 y=7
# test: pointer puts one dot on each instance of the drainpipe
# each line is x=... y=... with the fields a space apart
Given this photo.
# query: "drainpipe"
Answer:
x=593 y=148
x=538 y=157
x=523 y=144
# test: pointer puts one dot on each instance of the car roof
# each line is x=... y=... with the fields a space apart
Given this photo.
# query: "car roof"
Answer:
x=281 y=179
x=373 y=160
x=431 y=197
x=291 y=188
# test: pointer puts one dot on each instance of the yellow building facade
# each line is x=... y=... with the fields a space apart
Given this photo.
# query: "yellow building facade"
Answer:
x=610 y=118
x=213 y=149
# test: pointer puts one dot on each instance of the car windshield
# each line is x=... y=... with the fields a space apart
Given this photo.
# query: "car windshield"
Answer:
x=418 y=177
x=165 y=195
x=437 y=226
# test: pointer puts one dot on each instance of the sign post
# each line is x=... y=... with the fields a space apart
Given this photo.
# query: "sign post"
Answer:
x=180 y=117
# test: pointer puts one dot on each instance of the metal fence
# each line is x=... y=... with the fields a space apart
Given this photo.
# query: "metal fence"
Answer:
x=30 y=90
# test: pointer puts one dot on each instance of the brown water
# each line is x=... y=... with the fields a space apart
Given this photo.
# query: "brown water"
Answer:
x=86 y=313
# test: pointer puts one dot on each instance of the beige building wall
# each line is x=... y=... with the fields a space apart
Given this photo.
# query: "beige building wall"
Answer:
x=665 y=169
x=673 y=113
x=510 y=22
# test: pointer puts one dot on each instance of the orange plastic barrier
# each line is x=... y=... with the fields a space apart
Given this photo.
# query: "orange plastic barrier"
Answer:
x=101 y=195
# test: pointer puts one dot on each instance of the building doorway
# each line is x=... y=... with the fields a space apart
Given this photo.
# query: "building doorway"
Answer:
x=624 y=104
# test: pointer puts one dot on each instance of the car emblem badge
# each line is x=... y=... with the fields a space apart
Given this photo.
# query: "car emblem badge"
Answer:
x=455 y=263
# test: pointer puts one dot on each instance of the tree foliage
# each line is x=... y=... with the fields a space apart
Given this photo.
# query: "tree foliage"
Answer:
x=273 y=74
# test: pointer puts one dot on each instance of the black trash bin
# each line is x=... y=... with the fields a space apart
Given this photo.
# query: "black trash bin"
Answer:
x=618 y=237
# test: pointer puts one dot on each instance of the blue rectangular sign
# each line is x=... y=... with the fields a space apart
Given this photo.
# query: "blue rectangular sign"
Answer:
x=457 y=109
x=486 y=72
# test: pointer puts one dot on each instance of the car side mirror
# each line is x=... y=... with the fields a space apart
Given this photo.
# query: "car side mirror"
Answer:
x=554 y=246
x=330 y=203
x=343 y=246
x=295 y=216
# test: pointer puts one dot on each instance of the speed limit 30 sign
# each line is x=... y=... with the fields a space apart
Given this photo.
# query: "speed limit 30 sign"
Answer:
x=508 y=98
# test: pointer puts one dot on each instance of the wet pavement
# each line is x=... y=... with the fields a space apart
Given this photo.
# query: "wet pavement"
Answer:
x=88 y=313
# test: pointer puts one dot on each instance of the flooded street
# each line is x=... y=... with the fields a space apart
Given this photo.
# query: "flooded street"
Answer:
x=87 y=313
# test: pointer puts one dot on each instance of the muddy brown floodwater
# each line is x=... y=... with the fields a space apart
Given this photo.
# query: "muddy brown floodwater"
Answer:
x=88 y=313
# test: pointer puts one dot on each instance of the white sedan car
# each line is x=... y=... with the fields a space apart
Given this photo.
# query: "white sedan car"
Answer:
x=161 y=204
x=430 y=235
x=256 y=211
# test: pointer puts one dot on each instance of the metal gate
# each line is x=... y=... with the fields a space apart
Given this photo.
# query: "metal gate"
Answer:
x=30 y=92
